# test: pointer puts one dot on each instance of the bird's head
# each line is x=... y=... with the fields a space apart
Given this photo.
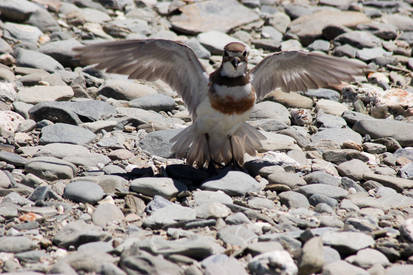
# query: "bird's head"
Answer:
x=234 y=60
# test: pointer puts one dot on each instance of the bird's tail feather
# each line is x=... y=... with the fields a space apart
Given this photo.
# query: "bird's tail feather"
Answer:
x=195 y=148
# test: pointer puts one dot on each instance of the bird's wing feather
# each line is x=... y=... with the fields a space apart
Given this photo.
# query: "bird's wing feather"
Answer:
x=152 y=59
x=300 y=71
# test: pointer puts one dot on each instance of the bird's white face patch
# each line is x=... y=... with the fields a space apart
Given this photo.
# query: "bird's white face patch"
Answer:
x=228 y=69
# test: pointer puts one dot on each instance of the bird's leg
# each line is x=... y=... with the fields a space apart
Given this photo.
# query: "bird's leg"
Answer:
x=234 y=163
x=212 y=164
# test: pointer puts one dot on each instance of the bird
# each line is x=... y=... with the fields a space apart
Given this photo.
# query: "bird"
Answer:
x=219 y=103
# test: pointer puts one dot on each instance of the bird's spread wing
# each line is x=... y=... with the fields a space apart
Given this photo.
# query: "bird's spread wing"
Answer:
x=152 y=59
x=300 y=71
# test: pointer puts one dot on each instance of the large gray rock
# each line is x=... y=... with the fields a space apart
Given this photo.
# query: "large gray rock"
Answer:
x=378 y=128
x=347 y=242
x=211 y=15
x=162 y=186
x=233 y=183
x=34 y=59
x=38 y=94
x=50 y=168
x=65 y=133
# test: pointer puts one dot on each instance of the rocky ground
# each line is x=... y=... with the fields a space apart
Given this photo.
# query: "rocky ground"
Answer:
x=88 y=184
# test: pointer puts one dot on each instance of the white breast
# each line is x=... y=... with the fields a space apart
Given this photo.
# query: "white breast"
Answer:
x=236 y=92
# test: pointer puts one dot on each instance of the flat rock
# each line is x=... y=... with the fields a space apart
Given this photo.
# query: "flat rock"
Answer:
x=323 y=189
x=212 y=210
x=271 y=110
x=210 y=15
x=107 y=213
x=125 y=89
x=338 y=135
x=165 y=187
x=347 y=242
x=368 y=257
x=330 y=107
x=36 y=94
x=77 y=233
x=12 y=158
x=354 y=169
x=291 y=180
x=309 y=27
x=11 y=244
x=324 y=93
x=398 y=184
x=65 y=133
x=201 y=197
x=222 y=264
x=83 y=191
x=234 y=183
x=386 y=198
x=399 y=269
x=169 y=214
x=61 y=150
x=50 y=168
x=153 y=119
x=158 y=143
x=16 y=10
x=294 y=199
x=378 y=128
x=156 y=102
x=215 y=41
x=240 y=235
x=72 y=112
x=62 y=51
x=359 y=39
x=312 y=258
x=265 y=263
x=342 y=268
x=22 y=33
x=277 y=142
x=294 y=100
x=34 y=59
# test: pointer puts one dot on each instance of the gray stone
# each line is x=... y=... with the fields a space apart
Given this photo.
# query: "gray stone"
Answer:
x=211 y=15
x=31 y=256
x=277 y=142
x=34 y=59
x=330 y=121
x=318 y=198
x=294 y=199
x=261 y=203
x=125 y=89
x=237 y=218
x=135 y=261
x=65 y=133
x=199 y=50
x=215 y=41
x=347 y=242
x=50 y=168
x=359 y=39
x=12 y=158
x=72 y=112
x=400 y=131
x=21 y=32
x=402 y=22
x=201 y=197
x=396 y=183
x=323 y=189
x=83 y=191
x=331 y=107
x=271 y=110
x=324 y=93
x=233 y=183
x=330 y=255
x=322 y=177
x=152 y=119
x=222 y=264
x=88 y=160
x=107 y=213
x=16 y=10
x=274 y=262
x=262 y=247
x=36 y=94
x=342 y=268
x=240 y=235
x=368 y=257
x=309 y=27
x=62 y=51
x=354 y=169
x=386 y=198
x=212 y=210
x=61 y=150
x=156 y=102
x=44 y=20
x=337 y=135
x=77 y=233
x=371 y=54
x=95 y=247
x=158 y=142
x=312 y=258
x=291 y=180
x=11 y=244
x=165 y=187
x=196 y=247
x=169 y=214
x=398 y=269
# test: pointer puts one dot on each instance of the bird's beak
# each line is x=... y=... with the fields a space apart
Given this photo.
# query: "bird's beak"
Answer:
x=235 y=61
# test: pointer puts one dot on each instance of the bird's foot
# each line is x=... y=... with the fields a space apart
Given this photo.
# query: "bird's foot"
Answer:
x=236 y=166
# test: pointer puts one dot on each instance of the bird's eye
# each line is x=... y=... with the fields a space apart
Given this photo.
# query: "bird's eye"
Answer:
x=244 y=53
